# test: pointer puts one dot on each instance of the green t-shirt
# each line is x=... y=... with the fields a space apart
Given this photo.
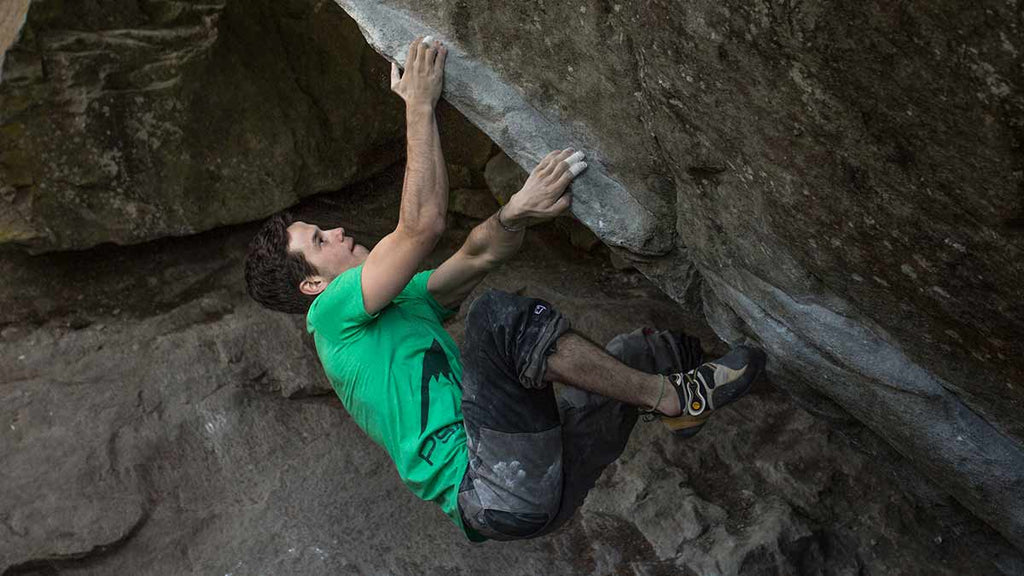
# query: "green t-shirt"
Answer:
x=397 y=373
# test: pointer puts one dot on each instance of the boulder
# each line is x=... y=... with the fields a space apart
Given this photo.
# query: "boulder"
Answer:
x=128 y=121
x=846 y=179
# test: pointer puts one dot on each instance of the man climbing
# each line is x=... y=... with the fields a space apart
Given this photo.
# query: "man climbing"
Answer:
x=480 y=432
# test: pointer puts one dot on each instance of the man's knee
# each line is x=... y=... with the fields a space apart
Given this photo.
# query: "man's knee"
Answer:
x=507 y=525
x=515 y=526
x=521 y=331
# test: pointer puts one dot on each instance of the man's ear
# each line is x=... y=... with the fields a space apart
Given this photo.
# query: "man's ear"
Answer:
x=312 y=285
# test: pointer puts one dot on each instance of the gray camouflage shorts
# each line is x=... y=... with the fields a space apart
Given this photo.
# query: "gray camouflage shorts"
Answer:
x=532 y=457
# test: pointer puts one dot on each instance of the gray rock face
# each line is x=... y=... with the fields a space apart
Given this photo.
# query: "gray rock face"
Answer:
x=127 y=121
x=154 y=421
x=846 y=178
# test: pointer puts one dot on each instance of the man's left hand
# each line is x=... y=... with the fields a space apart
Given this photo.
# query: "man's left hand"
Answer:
x=544 y=196
x=424 y=73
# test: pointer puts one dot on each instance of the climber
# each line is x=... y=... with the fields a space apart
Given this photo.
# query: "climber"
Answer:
x=480 y=432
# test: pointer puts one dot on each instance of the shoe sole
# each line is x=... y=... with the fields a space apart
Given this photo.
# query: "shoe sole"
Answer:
x=685 y=426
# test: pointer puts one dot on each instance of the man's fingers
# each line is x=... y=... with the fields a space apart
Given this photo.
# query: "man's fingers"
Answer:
x=560 y=155
x=566 y=175
x=571 y=162
x=433 y=51
x=442 y=55
x=426 y=53
x=543 y=164
x=395 y=76
x=413 y=51
x=559 y=169
x=550 y=162
x=421 y=55
x=564 y=180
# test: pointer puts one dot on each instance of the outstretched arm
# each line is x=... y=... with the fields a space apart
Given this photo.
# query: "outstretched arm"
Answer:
x=421 y=219
x=498 y=238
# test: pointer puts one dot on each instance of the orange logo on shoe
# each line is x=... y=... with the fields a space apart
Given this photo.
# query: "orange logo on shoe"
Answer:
x=696 y=405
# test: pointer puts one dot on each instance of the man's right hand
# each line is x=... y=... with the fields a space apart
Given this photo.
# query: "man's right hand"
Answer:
x=544 y=195
x=421 y=82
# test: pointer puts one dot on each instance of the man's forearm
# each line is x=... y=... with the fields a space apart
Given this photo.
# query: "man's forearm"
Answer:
x=425 y=190
x=491 y=243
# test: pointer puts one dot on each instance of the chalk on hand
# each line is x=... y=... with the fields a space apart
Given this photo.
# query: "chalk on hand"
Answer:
x=577 y=167
x=428 y=40
x=576 y=157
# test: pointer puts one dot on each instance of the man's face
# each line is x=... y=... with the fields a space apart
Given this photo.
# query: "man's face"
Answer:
x=331 y=251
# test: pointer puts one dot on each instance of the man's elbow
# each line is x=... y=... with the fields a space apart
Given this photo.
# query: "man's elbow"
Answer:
x=436 y=224
x=432 y=225
x=425 y=229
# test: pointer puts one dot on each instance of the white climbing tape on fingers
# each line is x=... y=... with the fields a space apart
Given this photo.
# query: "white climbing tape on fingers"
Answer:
x=576 y=163
x=428 y=40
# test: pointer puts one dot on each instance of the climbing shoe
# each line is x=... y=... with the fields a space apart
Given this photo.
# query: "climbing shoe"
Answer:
x=711 y=386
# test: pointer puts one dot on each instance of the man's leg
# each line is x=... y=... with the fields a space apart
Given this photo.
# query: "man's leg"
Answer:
x=516 y=435
x=580 y=363
x=684 y=399
x=596 y=428
x=513 y=484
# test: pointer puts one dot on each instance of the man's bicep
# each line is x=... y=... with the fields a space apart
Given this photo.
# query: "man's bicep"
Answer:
x=390 y=266
x=456 y=278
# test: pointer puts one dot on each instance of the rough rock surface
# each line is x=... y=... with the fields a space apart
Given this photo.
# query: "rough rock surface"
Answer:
x=154 y=421
x=127 y=121
x=847 y=178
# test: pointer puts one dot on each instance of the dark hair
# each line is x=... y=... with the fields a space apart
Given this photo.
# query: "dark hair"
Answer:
x=272 y=273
